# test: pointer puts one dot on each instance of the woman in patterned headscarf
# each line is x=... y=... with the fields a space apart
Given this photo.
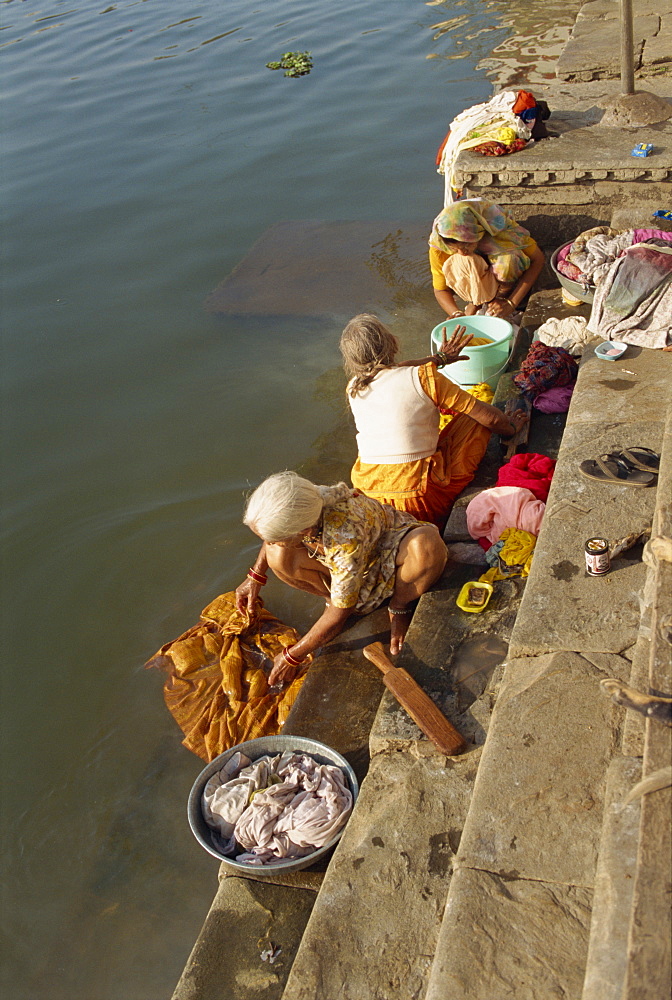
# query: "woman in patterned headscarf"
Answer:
x=485 y=258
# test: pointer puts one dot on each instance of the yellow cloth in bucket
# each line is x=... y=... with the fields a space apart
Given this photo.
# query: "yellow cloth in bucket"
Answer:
x=481 y=391
x=516 y=553
x=216 y=689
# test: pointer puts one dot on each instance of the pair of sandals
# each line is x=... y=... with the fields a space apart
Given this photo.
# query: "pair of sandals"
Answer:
x=629 y=467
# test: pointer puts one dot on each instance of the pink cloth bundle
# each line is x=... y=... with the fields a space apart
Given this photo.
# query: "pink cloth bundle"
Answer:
x=491 y=512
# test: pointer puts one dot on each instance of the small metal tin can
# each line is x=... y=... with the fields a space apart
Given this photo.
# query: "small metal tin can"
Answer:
x=597 y=556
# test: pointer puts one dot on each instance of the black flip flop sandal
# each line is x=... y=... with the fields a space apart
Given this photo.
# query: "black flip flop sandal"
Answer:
x=642 y=458
x=611 y=468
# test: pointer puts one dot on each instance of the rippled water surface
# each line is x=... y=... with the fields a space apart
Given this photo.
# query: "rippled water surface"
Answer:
x=148 y=154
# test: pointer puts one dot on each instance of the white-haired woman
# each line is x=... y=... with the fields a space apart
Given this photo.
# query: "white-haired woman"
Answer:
x=341 y=545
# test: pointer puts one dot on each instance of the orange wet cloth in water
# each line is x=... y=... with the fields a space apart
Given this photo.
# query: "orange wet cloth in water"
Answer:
x=216 y=689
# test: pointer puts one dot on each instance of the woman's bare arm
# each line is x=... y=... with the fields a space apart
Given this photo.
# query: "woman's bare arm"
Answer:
x=503 y=307
x=328 y=625
x=504 y=424
x=248 y=591
x=446 y=300
x=449 y=350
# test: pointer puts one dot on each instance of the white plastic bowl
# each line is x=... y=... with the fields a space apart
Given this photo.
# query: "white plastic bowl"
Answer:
x=611 y=350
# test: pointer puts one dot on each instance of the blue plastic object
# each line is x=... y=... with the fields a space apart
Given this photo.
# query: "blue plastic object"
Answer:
x=611 y=350
x=642 y=149
x=662 y=213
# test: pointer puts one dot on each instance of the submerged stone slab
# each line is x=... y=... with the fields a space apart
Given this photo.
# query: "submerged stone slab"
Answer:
x=374 y=927
x=614 y=885
x=510 y=939
x=537 y=805
x=311 y=268
x=246 y=919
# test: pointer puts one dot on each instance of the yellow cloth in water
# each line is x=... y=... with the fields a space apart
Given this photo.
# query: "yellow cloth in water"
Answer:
x=481 y=391
x=216 y=689
x=516 y=552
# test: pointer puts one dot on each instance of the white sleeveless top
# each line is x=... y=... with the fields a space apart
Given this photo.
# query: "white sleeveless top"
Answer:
x=395 y=418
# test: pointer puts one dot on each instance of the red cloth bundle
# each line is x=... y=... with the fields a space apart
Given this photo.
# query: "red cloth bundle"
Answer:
x=495 y=148
x=531 y=471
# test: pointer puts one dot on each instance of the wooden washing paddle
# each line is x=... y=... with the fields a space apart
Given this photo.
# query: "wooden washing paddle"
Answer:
x=419 y=705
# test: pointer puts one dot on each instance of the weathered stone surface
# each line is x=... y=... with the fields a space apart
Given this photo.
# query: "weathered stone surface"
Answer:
x=374 y=927
x=633 y=727
x=308 y=878
x=639 y=216
x=246 y=917
x=455 y=658
x=636 y=110
x=640 y=393
x=649 y=974
x=564 y=608
x=507 y=938
x=537 y=805
x=456 y=529
x=649 y=947
x=589 y=52
x=614 y=885
x=657 y=49
x=341 y=693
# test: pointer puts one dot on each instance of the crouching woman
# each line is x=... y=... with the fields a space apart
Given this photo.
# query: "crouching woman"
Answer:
x=335 y=542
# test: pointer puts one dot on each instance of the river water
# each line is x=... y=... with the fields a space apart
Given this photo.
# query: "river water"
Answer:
x=186 y=233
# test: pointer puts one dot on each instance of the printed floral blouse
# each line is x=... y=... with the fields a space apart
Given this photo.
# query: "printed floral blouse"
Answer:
x=361 y=537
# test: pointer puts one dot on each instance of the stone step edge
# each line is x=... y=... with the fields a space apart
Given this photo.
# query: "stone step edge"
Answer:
x=437 y=984
x=649 y=968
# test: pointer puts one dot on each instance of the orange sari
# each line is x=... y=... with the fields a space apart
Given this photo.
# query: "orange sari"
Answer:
x=427 y=487
x=216 y=689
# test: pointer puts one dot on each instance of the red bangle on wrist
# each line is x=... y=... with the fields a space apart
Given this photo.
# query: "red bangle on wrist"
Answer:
x=257 y=577
x=293 y=662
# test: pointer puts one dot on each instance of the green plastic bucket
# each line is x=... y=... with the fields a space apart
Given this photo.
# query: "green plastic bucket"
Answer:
x=486 y=361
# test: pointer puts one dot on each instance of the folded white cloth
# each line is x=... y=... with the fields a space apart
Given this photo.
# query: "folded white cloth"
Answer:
x=278 y=807
x=570 y=333
x=498 y=108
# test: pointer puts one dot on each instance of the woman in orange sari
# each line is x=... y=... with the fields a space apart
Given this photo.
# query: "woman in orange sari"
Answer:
x=404 y=459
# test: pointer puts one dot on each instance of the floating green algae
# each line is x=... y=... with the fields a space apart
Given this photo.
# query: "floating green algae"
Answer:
x=293 y=63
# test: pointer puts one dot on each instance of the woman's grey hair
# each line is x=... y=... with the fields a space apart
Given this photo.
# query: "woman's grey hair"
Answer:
x=283 y=505
x=367 y=347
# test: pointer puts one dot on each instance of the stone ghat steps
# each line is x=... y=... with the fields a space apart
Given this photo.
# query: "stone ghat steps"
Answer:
x=510 y=871
x=522 y=837
x=594 y=47
x=557 y=889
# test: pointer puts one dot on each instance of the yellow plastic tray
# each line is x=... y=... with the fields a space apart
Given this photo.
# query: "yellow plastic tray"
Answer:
x=461 y=600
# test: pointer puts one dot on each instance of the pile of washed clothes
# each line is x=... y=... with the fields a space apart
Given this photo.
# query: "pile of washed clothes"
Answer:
x=547 y=377
x=275 y=808
x=505 y=520
x=505 y=124
x=631 y=274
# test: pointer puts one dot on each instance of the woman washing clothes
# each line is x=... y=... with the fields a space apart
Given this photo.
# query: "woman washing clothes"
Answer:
x=403 y=458
x=335 y=542
x=485 y=258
